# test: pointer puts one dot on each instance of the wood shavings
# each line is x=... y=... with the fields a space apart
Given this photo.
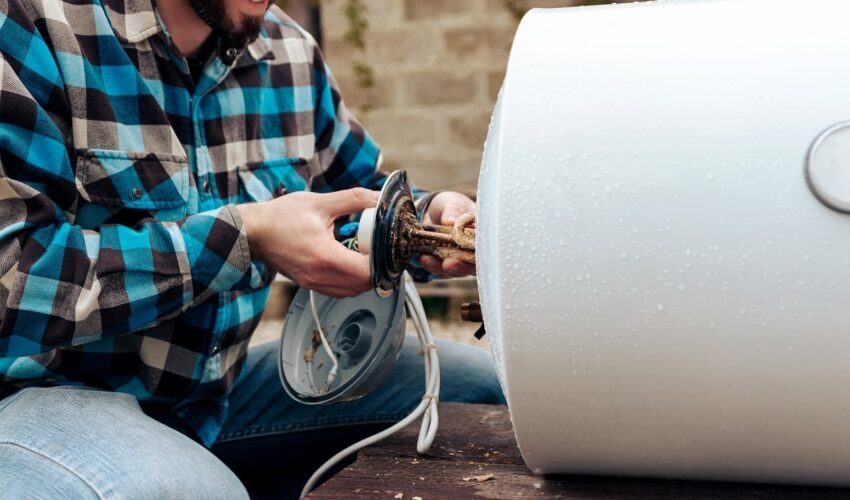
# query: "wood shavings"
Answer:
x=480 y=479
x=416 y=498
x=399 y=496
x=311 y=352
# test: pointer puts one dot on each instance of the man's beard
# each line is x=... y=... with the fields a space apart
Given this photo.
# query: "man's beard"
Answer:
x=214 y=13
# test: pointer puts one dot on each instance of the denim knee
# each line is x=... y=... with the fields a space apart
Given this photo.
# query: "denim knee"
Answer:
x=26 y=473
x=101 y=445
x=468 y=375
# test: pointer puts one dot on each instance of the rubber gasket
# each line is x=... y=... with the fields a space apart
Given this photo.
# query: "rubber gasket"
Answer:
x=389 y=254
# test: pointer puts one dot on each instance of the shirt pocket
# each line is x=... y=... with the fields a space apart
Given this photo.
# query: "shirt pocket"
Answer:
x=133 y=180
x=261 y=181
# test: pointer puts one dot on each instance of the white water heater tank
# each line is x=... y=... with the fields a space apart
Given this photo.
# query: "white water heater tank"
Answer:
x=664 y=257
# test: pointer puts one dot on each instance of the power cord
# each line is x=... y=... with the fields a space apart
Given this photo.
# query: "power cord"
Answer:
x=427 y=408
x=332 y=375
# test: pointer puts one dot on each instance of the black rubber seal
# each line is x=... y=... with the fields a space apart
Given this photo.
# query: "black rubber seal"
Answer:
x=390 y=253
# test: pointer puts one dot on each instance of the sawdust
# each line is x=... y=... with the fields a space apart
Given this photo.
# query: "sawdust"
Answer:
x=480 y=479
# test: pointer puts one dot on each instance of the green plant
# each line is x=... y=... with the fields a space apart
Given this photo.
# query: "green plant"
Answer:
x=364 y=73
x=355 y=12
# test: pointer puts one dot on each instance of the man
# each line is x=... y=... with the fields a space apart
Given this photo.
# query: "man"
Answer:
x=151 y=158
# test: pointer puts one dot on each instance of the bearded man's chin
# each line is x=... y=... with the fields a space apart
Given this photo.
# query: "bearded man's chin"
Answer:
x=247 y=33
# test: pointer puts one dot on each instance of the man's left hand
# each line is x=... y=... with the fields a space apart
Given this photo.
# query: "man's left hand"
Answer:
x=444 y=210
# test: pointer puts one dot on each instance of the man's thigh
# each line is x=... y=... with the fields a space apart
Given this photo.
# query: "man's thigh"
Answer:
x=259 y=407
x=66 y=442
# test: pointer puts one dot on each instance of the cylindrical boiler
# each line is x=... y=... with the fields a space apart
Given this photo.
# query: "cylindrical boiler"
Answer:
x=664 y=264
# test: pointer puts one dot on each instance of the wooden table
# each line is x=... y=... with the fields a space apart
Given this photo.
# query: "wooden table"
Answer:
x=475 y=455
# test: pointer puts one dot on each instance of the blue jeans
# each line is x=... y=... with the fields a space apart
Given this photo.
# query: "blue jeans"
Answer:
x=65 y=442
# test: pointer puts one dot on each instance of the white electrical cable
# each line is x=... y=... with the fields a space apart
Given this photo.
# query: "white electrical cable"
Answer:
x=427 y=408
x=430 y=417
x=332 y=375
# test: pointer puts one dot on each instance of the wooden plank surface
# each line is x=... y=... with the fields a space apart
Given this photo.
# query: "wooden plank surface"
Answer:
x=475 y=456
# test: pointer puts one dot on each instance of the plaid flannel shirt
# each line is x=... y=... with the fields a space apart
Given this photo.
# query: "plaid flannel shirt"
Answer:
x=123 y=262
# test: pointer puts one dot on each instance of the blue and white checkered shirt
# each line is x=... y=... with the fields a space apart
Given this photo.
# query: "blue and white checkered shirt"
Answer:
x=123 y=262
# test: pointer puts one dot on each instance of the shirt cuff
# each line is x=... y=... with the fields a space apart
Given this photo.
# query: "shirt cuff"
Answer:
x=217 y=245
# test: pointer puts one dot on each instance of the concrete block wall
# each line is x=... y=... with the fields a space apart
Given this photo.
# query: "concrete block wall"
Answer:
x=438 y=67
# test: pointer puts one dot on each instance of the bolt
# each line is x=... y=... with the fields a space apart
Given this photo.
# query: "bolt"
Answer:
x=471 y=311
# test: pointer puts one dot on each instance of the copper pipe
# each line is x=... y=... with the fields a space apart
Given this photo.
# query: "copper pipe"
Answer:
x=444 y=242
x=427 y=235
x=445 y=229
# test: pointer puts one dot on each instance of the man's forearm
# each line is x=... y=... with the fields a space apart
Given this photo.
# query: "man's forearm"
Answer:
x=65 y=286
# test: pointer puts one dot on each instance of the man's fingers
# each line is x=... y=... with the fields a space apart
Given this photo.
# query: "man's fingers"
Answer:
x=456 y=267
x=432 y=264
x=428 y=261
x=346 y=279
x=447 y=206
x=349 y=201
x=448 y=268
x=337 y=293
x=351 y=267
x=450 y=214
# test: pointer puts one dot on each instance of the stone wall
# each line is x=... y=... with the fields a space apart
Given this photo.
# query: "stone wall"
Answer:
x=438 y=66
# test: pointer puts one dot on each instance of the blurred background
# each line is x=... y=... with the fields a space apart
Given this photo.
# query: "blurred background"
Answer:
x=423 y=77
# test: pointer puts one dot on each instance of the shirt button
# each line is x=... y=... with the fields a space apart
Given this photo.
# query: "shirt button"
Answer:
x=206 y=186
x=137 y=193
x=281 y=191
x=230 y=54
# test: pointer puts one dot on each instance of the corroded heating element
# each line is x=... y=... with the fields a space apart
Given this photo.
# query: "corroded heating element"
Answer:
x=391 y=234
x=456 y=241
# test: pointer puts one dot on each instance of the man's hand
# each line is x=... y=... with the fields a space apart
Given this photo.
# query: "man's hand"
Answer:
x=444 y=210
x=294 y=235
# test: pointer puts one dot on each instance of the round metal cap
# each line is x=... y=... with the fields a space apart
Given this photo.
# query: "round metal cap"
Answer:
x=828 y=167
x=365 y=334
x=389 y=255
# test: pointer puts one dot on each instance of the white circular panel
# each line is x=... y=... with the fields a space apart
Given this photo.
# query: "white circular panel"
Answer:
x=828 y=167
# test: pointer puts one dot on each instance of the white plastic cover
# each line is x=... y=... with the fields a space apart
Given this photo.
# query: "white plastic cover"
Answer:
x=664 y=294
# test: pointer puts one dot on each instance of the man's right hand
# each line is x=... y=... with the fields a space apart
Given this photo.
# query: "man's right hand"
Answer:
x=294 y=235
